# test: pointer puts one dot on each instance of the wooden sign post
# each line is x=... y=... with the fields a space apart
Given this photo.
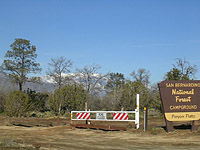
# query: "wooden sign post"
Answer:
x=181 y=102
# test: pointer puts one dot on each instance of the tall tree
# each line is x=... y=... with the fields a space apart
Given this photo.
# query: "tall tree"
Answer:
x=173 y=74
x=155 y=101
x=182 y=70
x=128 y=95
x=142 y=75
x=21 y=61
x=115 y=81
x=59 y=66
x=142 y=86
x=114 y=87
x=92 y=80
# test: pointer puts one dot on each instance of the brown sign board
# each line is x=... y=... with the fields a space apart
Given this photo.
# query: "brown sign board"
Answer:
x=181 y=100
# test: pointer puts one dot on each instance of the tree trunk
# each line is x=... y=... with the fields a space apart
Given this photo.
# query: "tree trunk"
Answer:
x=59 y=110
x=20 y=86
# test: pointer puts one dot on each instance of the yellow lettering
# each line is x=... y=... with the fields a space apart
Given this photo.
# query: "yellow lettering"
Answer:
x=184 y=100
x=182 y=92
x=187 y=84
x=169 y=85
x=183 y=107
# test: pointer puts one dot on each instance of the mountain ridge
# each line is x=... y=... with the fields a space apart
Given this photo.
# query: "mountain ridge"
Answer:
x=47 y=83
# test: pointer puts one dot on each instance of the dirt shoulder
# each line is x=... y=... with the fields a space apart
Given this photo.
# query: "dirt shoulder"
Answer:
x=63 y=136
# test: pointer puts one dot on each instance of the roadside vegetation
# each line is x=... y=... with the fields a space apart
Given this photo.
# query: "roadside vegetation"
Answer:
x=118 y=94
x=40 y=110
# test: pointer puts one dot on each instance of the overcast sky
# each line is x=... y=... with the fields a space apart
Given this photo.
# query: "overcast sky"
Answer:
x=119 y=35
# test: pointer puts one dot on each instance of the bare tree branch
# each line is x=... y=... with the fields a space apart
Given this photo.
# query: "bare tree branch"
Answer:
x=91 y=79
x=142 y=75
x=59 y=66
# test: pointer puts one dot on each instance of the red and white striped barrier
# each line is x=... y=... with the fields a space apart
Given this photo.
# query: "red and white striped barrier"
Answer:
x=83 y=115
x=120 y=116
x=109 y=115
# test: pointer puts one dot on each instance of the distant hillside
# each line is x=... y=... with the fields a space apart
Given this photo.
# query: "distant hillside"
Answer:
x=7 y=85
x=47 y=84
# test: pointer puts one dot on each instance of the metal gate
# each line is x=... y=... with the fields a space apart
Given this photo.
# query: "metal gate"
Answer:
x=132 y=116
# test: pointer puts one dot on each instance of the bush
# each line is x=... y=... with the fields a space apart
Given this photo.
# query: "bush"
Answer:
x=17 y=104
x=70 y=97
x=38 y=100
x=46 y=114
x=2 y=101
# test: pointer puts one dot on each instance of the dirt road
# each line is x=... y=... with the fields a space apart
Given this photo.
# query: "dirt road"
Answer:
x=68 y=138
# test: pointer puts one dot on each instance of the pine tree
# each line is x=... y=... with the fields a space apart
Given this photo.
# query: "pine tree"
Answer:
x=20 y=61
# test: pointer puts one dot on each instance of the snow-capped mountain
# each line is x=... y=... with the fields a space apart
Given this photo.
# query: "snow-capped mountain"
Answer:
x=48 y=84
x=7 y=85
x=95 y=79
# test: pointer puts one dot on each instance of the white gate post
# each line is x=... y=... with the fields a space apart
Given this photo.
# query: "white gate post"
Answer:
x=137 y=114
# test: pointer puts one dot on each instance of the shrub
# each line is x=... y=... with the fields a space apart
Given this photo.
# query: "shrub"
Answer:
x=2 y=101
x=70 y=97
x=17 y=104
x=38 y=100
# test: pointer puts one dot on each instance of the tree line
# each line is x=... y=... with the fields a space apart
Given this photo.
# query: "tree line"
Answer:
x=119 y=93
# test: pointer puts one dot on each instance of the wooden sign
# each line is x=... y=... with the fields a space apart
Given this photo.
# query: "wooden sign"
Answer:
x=180 y=100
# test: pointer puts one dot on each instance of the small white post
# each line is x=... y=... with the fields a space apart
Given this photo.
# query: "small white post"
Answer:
x=85 y=106
x=137 y=116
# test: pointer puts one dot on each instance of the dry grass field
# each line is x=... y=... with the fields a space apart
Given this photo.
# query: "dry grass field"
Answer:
x=49 y=134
